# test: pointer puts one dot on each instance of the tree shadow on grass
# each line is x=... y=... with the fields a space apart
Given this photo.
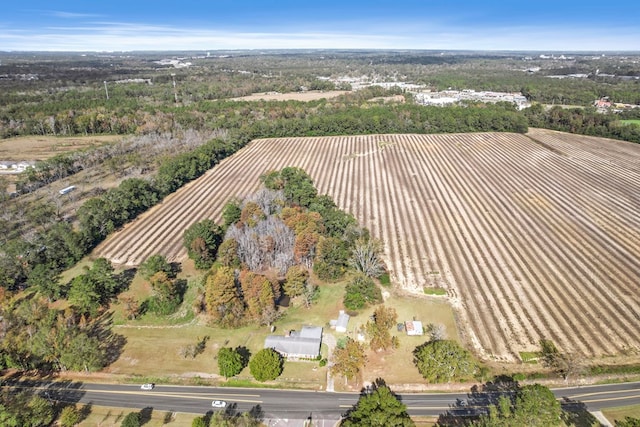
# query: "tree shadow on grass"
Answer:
x=125 y=278
x=257 y=413
x=169 y=417
x=145 y=415
x=85 y=411
x=112 y=343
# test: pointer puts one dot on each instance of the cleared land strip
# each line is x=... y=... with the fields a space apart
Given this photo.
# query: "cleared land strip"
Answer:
x=532 y=236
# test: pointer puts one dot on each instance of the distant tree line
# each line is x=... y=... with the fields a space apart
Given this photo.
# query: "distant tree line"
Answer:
x=585 y=121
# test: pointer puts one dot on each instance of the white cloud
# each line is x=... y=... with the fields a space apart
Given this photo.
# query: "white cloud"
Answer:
x=117 y=36
x=71 y=15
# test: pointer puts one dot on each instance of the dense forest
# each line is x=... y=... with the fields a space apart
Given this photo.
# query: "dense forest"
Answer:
x=58 y=94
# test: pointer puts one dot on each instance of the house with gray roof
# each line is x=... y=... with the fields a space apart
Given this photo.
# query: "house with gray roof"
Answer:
x=304 y=344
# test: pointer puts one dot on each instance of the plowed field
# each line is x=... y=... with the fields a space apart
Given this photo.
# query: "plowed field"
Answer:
x=533 y=236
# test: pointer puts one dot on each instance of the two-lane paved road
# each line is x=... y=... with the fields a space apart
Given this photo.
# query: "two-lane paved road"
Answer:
x=300 y=405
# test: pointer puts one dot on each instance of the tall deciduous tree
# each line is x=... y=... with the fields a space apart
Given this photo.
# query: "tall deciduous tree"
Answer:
x=379 y=330
x=443 y=361
x=94 y=288
x=378 y=406
x=295 y=183
x=628 y=422
x=231 y=213
x=257 y=292
x=360 y=292
x=132 y=419
x=24 y=409
x=222 y=298
x=230 y=362
x=349 y=360
x=532 y=405
x=70 y=416
x=155 y=264
x=295 y=281
x=366 y=257
x=266 y=365
x=202 y=240
x=228 y=253
x=331 y=258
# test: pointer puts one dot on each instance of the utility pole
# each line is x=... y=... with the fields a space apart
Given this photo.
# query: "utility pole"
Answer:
x=175 y=94
x=106 y=90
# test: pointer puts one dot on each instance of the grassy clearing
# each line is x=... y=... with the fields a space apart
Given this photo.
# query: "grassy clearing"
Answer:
x=153 y=349
x=435 y=291
x=619 y=413
x=633 y=122
x=78 y=269
x=396 y=366
x=105 y=416
x=529 y=357
x=385 y=280
x=44 y=147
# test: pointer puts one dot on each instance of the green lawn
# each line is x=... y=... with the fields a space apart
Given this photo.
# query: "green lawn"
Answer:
x=633 y=121
x=111 y=417
x=621 y=412
x=153 y=348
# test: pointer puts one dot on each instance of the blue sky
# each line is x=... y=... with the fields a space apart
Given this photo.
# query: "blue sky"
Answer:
x=116 y=25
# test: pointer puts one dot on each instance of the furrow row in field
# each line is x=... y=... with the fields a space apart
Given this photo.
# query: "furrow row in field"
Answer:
x=460 y=260
x=620 y=195
x=403 y=217
x=590 y=243
x=502 y=280
x=165 y=223
x=496 y=231
x=507 y=182
x=497 y=280
x=463 y=179
x=501 y=183
x=420 y=197
x=467 y=268
x=552 y=217
x=616 y=152
x=599 y=163
x=571 y=232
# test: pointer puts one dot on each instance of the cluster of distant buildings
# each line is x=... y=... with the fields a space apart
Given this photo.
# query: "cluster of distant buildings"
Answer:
x=446 y=97
x=425 y=96
x=604 y=105
x=174 y=62
x=14 y=167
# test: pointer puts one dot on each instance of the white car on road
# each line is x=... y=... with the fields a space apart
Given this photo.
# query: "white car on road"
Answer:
x=219 y=404
x=147 y=386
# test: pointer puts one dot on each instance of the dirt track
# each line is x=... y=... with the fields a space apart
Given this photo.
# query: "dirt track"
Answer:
x=533 y=236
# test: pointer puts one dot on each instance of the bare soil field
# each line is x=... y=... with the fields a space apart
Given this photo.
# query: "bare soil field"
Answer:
x=311 y=95
x=32 y=148
x=533 y=236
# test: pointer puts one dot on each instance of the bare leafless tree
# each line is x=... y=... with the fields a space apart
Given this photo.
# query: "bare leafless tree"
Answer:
x=366 y=257
x=267 y=245
x=269 y=201
x=436 y=331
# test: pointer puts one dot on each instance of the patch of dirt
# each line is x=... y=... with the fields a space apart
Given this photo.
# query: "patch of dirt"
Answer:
x=311 y=95
x=32 y=148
